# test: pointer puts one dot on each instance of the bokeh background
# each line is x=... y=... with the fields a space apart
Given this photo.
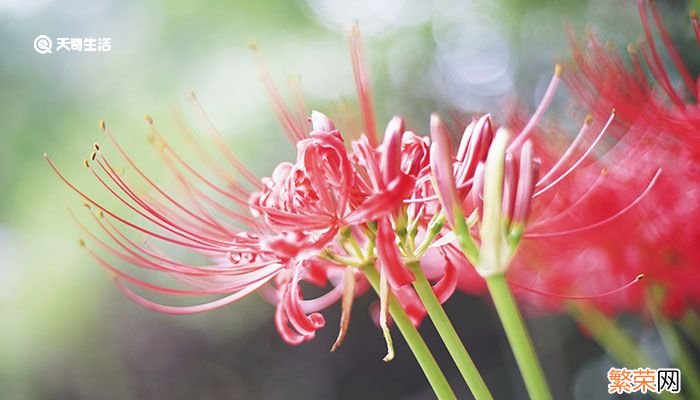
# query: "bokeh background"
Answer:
x=66 y=333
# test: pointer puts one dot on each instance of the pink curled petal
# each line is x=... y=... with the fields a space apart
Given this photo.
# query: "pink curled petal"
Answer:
x=446 y=286
x=415 y=154
x=478 y=189
x=476 y=148
x=320 y=122
x=411 y=303
x=441 y=166
x=465 y=142
x=391 y=151
x=527 y=180
x=390 y=256
x=510 y=180
x=287 y=334
x=468 y=280
x=383 y=202
x=305 y=325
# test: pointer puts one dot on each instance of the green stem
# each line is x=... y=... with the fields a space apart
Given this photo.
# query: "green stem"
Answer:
x=690 y=324
x=415 y=342
x=677 y=350
x=449 y=336
x=519 y=339
x=616 y=343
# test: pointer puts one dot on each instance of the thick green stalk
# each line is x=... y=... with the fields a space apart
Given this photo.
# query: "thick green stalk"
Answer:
x=677 y=350
x=616 y=343
x=449 y=336
x=690 y=324
x=415 y=342
x=519 y=339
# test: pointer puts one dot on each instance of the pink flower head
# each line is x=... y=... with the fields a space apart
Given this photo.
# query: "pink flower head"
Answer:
x=656 y=103
x=505 y=202
x=318 y=220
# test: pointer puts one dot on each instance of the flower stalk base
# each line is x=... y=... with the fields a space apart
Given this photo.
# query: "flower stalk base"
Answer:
x=519 y=339
x=415 y=342
x=449 y=336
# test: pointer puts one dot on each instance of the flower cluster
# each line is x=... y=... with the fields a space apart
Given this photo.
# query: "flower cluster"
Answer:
x=346 y=205
x=659 y=119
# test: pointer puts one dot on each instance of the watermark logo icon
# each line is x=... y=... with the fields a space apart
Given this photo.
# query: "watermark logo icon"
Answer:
x=43 y=44
x=623 y=380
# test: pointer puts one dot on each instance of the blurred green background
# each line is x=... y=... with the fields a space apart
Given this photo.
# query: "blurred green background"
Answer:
x=67 y=333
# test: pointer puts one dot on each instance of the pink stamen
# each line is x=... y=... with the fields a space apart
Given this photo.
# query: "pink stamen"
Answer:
x=613 y=217
x=212 y=248
x=293 y=129
x=580 y=160
x=539 y=112
x=696 y=25
x=653 y=58
x=569 y=151
x=672 y=51
x=202 y=153
x=224 y=301
x=578 y=297
x=362 y=84
x=166 y=225
x=221 y=145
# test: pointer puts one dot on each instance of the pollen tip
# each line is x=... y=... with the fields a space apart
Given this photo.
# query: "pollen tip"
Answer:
x=101 y=214
x=87 y=205
x=558 y=69
x=694 y=14
x=632 y=49
x=86 y=163
x=639 y=277
x=604 y=171
x=103 y=125
x=148 y=119
x=81 y=243
x=93 y=155
x=192 y=94
x=46 y=156
x=588 y=120
x=613 y=112
x=96 y=146
x=253 y=45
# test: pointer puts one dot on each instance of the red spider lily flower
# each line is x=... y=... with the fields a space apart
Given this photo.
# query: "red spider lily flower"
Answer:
x=509 y=202
x=663 y=118
x=604 y=80
x=318 y=220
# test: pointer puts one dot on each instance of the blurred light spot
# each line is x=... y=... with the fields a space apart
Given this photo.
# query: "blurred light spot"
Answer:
x=22 y=8
x=9 y=274
x=473 y=63
x=373 y=16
